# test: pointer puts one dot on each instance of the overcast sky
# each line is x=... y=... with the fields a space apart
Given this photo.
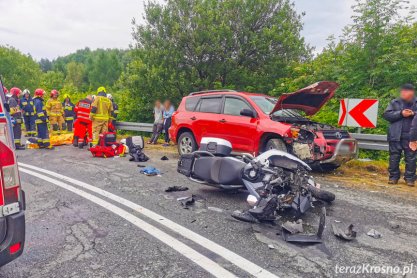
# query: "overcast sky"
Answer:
x=52 y=28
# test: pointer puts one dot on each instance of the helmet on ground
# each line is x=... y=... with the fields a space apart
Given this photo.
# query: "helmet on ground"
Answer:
x=26 y=91
x=109 y=96
x=54 y=93
x=39 y=93
x=101 y=89
x=5 y=90
x=15 y=91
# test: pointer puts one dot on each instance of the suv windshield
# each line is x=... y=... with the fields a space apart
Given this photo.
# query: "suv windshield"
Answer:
x=266 y=104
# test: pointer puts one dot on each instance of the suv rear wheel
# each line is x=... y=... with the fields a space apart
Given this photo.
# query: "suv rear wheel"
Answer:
x=276 y=144
x=186 y=143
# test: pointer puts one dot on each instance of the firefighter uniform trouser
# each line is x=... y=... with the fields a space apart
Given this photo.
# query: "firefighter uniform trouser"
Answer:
x=17 y=133
x=43 y=135
x=56 y=122
x=69 y=123
x=30 y=125
x=99 y=127
x=82 y=131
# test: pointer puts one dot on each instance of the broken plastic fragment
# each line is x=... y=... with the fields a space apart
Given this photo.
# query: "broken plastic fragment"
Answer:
x=374 y=233
x=340 y=232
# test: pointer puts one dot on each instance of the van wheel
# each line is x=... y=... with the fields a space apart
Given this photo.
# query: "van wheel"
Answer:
x=276 y=144
x=186 y=143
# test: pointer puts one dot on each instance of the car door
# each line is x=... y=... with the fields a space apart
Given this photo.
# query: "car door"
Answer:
x=239 y=130
x=206 y=117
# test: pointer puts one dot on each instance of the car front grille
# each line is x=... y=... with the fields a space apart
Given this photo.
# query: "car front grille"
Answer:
x=335 y=134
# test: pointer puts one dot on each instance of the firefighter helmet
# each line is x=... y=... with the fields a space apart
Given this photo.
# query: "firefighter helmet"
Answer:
x=26 y=91
x=109 y=96
x=39 y=93
x=101 y=89
x=54 y=93
x=15 y=91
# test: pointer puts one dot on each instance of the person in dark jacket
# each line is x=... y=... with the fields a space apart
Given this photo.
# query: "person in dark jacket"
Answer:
x=69 y=113
x=400 y=113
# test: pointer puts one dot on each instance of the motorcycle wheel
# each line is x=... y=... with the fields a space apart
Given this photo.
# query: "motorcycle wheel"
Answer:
x=321 y=194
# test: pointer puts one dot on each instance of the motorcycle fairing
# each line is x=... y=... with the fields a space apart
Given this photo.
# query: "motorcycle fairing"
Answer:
x=281 y=159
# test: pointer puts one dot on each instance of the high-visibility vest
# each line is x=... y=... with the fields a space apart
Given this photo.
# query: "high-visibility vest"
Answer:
x=82 y=110
x=54 y=107
x=104 y=108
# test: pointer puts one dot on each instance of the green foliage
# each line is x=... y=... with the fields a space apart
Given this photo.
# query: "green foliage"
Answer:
x=204 y=44
x=18 y=70
x=375 y=56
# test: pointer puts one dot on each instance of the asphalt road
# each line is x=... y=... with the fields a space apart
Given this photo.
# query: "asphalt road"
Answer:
x=112 y=221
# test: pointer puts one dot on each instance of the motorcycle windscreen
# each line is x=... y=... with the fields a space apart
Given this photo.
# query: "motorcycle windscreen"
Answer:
x=310 y=99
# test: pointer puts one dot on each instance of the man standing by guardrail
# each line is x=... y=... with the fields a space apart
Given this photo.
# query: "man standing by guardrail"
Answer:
x=400 y=113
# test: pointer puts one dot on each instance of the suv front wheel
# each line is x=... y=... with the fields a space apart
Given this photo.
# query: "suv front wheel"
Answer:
x=186 y=143
x=276 y=144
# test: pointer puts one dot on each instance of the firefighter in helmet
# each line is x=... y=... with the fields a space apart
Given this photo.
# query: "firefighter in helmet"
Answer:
x=55 y=112
x=16 y=113
x=101 y=111
x=28 y=110
x=69 y=112
x=41 y=119
x=83 y=125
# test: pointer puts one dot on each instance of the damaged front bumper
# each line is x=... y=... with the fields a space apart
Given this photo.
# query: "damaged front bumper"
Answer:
x=345 y=150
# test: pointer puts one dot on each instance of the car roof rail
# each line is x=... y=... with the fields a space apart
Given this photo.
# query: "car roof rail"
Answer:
x=210 y=91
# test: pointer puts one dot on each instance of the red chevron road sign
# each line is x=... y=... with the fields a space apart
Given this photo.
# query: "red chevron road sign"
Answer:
x=358 y=112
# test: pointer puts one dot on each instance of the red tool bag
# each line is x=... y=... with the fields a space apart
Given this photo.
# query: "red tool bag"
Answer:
x=108 y=146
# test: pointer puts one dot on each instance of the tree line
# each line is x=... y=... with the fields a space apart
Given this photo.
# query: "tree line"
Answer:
x=250 y=45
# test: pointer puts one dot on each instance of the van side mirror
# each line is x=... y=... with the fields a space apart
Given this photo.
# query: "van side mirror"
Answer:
x=247 y=112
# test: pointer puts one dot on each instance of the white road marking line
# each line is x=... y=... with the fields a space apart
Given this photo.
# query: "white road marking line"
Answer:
x=207 y=264
x=232 y=257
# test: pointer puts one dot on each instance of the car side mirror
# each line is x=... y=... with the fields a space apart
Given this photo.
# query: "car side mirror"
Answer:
x=247 y=112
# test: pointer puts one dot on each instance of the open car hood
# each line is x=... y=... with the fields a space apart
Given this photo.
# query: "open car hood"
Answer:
x=309 y=99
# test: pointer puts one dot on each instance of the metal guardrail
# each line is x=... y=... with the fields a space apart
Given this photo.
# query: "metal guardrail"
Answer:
x=365 y=141
x=371 y=141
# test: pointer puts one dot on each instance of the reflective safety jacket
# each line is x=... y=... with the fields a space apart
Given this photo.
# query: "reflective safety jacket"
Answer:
x=40 y=110
x=28 y=107
x=102 y=108
x=54 y=107
x=82 y=110
x=15 y=111
x=69 y=112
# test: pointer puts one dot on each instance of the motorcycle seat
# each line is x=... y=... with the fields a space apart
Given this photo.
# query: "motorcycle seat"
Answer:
x=219 y=170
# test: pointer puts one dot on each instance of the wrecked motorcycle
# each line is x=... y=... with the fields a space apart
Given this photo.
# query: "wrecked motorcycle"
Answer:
x=276 y=180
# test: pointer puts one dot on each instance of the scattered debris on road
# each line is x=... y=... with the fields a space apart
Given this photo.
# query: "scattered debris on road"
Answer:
x=176 y=188
x=215 y=209
x=374 y=233
x=150 y=171
x=307 y=238
x=293 y=227
x=340 y=232
x=271 y=246
x=186 y=202
x=164 y=158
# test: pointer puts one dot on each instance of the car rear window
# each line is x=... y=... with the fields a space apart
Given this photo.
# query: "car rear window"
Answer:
x=210 y=105
x=191 y=103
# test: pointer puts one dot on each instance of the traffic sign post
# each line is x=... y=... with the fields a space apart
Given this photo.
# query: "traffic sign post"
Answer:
x=355 y=112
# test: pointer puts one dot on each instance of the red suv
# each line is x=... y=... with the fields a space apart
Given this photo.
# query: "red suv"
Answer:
x=254 y=123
